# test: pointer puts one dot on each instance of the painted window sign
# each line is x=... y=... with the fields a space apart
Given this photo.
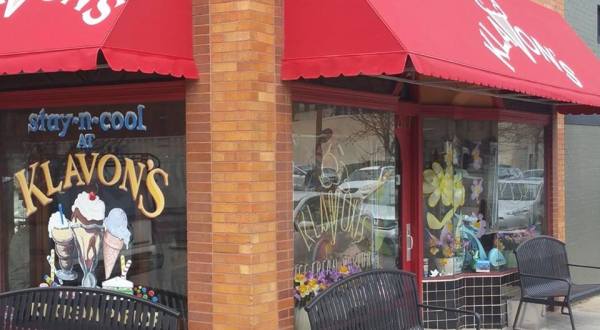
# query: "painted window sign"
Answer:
x=85 y=122
x=509 y=36
x=102 y=191
x=80 y=168
x=79 y=171
x=92 y=12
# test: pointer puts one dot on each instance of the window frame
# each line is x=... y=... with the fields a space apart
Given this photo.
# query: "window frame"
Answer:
x=83 y=96
x=415 y=113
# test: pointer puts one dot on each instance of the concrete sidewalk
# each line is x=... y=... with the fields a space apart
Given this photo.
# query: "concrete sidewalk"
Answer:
x=586 y=314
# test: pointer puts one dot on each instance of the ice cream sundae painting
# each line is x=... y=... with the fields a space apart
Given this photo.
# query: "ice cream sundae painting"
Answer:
x=60 y=232
x=86 y=236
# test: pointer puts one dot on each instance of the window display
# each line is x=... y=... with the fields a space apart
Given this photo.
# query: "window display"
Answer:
x=86 y=192
x=345 y=214
x=476 y=193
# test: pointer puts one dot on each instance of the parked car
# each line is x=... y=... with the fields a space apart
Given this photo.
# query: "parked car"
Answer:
x=520 y=203
x=509 y=172
x=537 y=174
x=380 y=208
x=364 y=181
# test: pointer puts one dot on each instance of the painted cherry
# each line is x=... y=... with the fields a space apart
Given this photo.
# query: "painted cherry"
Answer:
x=92 y=196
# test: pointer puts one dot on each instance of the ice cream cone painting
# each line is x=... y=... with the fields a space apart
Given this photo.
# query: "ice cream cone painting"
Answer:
x=87 y=216
x=116 y=235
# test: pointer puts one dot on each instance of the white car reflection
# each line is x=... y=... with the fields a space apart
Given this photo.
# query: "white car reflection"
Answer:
x=364 y=181
x=380 y=208
x=520 y=203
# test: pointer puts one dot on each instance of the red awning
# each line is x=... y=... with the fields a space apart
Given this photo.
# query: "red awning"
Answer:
x=513 y=45
x=151 y=36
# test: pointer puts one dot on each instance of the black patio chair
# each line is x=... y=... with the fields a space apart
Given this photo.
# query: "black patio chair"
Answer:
x=544 y=274
x=377 y=299
x=82 y=308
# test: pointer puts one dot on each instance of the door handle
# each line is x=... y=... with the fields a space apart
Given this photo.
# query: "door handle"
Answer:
x=410 y=243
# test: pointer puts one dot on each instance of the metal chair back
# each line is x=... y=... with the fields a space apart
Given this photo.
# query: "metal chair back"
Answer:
x=542 y=256
x=82 y=308
x=377 y=299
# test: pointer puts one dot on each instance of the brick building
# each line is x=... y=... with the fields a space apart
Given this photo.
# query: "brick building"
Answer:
x=258 y=144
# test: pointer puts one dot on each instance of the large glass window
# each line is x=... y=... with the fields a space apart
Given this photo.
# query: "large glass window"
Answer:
x=345 y=214
x=92 y=193
x=483 y=190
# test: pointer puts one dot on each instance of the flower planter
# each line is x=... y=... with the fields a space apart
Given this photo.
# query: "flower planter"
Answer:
x=445 y=265
x=301 y=321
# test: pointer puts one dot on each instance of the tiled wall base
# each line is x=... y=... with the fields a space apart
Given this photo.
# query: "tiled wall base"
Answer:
x=484 y=293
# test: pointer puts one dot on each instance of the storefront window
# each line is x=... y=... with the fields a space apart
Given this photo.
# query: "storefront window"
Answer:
x=483 y=192
x=345 y=214
x=92 y=193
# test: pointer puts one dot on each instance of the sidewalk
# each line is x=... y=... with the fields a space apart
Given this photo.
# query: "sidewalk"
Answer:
x=586 y=313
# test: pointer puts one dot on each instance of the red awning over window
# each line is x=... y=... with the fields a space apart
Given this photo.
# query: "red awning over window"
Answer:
x=151 y=36
x=514 y=45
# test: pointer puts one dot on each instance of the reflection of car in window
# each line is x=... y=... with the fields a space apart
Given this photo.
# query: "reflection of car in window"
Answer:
x=533 y=174
x=520 y=203
x=509 y=172
x=364 y=181
x=380 y=208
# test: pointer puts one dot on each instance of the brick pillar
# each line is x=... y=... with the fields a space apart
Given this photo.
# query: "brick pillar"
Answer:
x=239 y=169
x=558 y=176
x=199 y=179
x=285 y=229
x=556 y=5
x=558 y=152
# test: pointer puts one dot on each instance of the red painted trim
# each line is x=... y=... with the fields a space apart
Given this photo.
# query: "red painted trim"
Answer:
x=492 y=114
x=91 y=95
x=302 y=92
x=418 y=203
x=549 y=177
x=577 y=109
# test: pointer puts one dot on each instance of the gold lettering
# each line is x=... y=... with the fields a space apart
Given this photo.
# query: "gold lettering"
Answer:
x=134 y=178
x=29 y=190
x=155 y=192
x=116 y=174
x=87 y=172
x=51 y=189
x=71 y=172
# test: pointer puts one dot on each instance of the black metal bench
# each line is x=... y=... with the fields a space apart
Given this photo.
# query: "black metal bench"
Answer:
x=82 y=308
x=544 y=275
x=378 y=299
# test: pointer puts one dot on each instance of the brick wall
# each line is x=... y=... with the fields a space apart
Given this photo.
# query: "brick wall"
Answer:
x=199 y=187
x=239 y=169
